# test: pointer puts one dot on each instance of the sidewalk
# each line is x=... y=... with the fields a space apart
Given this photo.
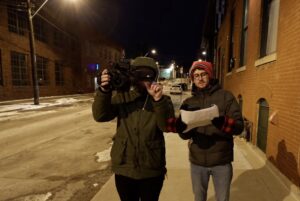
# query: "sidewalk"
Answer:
x=254 y=178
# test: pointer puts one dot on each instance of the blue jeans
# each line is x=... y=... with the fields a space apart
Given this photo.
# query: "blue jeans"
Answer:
x=221 y=175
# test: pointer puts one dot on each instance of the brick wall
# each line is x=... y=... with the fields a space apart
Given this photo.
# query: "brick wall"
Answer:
x=75 y=75
x=278 y=82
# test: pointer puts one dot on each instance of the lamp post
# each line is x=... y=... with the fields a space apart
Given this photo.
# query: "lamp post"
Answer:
x=153 y=51
x=32 y=53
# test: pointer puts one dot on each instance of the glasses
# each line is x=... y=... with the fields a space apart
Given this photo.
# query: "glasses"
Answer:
x=201 y=75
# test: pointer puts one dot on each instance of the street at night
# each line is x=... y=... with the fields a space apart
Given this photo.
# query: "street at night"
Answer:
x=169 y=100
x=52 y=151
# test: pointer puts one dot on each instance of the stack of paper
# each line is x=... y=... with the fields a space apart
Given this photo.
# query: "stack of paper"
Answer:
x=198 y=118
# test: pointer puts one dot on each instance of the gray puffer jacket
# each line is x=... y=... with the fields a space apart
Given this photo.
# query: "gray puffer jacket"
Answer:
x=208 y=145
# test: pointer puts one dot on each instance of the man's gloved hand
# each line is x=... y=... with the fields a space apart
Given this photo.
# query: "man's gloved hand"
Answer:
x=180 y=125
x=224 y=123
x=176 y=125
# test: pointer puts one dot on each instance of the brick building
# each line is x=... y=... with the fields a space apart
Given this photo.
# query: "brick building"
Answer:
x=67 y=56
x=255 y=47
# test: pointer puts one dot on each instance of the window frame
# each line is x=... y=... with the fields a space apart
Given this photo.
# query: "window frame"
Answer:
x=42 y=70
x=39 y=29
x=58 y=38
x=244 y=35
x=19 y=69
x=231 y=59
x=265 y=33
x=16 y=19
x=59 y=73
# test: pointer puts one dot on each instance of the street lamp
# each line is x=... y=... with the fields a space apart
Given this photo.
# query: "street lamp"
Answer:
x=204 y=54
x=153 y=51
x=33 y=51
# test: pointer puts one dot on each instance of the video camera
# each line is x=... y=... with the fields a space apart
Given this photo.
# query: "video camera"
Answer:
x=123 y=75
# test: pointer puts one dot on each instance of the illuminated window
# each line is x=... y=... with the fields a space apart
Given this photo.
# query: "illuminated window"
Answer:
x=231 y=59
x=243 y=51
x=269 y=27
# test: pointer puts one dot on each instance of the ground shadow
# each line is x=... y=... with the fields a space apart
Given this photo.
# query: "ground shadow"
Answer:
x=286 y=162
x=260 y=184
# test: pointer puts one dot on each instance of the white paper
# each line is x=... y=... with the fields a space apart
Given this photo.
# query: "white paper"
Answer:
x=198 y=118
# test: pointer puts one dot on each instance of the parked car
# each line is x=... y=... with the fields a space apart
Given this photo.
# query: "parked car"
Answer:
x=183 y=86
x=175 y=89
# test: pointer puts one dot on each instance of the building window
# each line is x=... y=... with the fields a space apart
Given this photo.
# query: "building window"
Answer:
x=220 y=13
x=1 y=75
x=19 y=69
x=42 y=70
x=39 y=29
x=58 y=38
x=231 y=59
x=269 y=27
x=243 y=50
x=17 y=18
x=59 y=75
x=117 y=56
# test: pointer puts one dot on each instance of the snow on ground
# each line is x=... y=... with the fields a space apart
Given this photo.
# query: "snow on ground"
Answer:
x=30 y=106
x=10 y=110
x=39 y=197
x=103 y=155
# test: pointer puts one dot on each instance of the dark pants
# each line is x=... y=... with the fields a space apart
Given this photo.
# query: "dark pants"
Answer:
x=139 y=190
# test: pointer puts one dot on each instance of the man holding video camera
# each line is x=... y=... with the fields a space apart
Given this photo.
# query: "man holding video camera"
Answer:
x=138 y=150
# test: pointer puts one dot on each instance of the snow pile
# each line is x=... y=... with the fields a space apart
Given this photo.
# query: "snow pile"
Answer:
x=24 y=106
x=103 y=155
x=14 y=109
x=65 y=101
x=40 y=197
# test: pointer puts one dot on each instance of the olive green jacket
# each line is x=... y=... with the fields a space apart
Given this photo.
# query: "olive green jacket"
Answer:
x=138 y=150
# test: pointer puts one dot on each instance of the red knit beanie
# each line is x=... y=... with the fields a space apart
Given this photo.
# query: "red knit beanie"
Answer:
x=204 y=65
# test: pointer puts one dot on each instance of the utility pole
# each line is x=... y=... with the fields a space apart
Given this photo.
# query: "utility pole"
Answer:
x=33 y=56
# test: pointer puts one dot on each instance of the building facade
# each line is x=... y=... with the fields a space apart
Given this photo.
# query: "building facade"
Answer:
x=256 y=54
x=64 y=55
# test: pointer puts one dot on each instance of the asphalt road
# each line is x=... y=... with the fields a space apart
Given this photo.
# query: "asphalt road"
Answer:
x=50 y=154
x=53 y=154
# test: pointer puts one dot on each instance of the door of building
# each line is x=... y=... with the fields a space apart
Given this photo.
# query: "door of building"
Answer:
x=262 y=129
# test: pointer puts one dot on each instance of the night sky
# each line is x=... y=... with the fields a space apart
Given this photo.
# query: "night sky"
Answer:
x=172 y=27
